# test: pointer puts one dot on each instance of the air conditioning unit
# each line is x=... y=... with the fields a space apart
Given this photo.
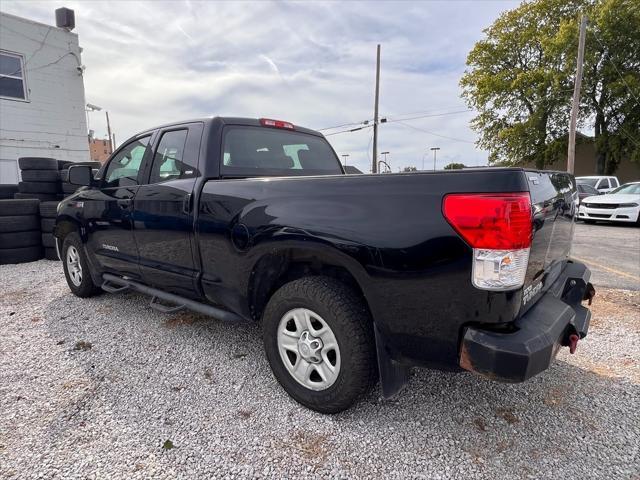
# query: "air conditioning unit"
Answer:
x=65 y=18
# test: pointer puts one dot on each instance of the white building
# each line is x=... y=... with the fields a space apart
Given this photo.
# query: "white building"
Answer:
x=42 y=104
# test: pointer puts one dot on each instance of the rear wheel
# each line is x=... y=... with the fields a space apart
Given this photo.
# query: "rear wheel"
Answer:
x=318 y=339
x=76 y=267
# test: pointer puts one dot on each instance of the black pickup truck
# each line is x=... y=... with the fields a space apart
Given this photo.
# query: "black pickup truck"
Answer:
x=353 y=278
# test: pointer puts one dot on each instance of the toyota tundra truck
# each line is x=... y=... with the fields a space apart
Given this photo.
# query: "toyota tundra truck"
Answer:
x=354 y=279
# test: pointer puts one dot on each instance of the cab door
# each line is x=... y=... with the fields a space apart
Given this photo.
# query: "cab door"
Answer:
x=108 y=209
x=163 y=211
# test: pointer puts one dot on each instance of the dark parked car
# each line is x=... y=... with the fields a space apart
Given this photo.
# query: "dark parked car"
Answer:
x=585 y=190
x=353 y=278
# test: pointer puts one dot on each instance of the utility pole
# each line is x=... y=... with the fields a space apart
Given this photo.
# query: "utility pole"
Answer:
x=109 y=133
x=575 y=104
x=345 y=156
x=434 y=150
x=114 y=141
x=374 y=160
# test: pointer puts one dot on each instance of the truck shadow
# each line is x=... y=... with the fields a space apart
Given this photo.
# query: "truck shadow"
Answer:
x=171 y=367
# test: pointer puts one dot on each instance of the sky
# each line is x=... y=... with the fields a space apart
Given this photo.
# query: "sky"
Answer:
x=309 y=63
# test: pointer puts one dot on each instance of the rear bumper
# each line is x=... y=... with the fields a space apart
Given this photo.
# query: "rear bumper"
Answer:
x=539 y=334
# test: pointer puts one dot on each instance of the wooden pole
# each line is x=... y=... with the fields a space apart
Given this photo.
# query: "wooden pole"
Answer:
x=575 y=105
x=374 y=160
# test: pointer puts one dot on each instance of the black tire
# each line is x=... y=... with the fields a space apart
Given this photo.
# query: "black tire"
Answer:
x=7 y=190
x=20 y=255
x=39 y=187
x=49 y=209
x=68 y=189
x=347 y=316
x=47 y=225
x=43 y=197
x=19 y=223
x=86 y=288
x=40 y=176
x=37 y=163
x=19 y=207
x=20 y=239
x=48 y=240
x=51 y=254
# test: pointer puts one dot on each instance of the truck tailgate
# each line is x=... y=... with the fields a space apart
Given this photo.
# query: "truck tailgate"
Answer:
x=553 y=204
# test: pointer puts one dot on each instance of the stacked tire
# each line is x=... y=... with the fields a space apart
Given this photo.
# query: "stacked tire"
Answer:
x=7 y=191
x=68 y=188
x=48 y=212
x=40 y=179
x=20 y=237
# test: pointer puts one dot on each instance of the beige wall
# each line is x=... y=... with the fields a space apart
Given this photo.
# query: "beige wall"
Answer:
x=586 y=164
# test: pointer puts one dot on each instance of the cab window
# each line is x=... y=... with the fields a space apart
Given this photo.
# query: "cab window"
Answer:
x=169 y=162
x=124 y=166
x=259 y=151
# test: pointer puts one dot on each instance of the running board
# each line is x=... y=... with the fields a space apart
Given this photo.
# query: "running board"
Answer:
x=180 y=302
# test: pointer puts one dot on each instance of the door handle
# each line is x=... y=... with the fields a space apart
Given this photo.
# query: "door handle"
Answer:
x=124 y=203
x=186 y=204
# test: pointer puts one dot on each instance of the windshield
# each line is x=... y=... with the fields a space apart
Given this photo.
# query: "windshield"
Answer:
x=584 y=188
x=588 y=181
x=260 y=151
x=629 y=188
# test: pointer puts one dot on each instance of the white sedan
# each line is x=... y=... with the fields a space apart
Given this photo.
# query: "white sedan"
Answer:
x=619 y=205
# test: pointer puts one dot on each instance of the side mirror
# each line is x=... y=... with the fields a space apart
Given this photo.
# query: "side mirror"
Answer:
x=80 y=175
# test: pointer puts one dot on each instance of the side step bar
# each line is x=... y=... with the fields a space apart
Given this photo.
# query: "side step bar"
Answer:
x=180 y=302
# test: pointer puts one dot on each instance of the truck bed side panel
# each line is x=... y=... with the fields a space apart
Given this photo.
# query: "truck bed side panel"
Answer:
x=387 y=230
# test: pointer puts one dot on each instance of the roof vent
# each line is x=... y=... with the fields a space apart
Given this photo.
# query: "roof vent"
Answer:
x=65 y=18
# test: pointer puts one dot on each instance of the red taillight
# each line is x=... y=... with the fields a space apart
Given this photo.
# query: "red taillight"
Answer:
x=491 y=220
x=267 y=122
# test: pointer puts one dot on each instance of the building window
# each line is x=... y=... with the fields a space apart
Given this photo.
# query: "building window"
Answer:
x=12 y=76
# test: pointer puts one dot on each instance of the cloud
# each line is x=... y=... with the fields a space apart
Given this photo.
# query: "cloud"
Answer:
x=151 y=63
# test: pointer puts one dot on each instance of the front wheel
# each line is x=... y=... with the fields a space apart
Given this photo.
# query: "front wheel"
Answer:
x=76 y=267
x=318 y=338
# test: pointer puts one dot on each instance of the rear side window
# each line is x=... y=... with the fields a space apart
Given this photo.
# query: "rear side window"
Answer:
x=169 y=161
x=124 y=166
x=588 y=181
x=261 y=151
x=604 y=183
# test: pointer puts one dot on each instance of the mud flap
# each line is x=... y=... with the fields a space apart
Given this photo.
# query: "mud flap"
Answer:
x=393 y=375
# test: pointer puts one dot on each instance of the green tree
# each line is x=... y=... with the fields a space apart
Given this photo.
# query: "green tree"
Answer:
x=410 y=169
x=520 y=80
x=611 y=88
x=454 y=166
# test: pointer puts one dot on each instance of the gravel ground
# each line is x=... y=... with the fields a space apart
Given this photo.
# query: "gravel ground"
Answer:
x=102 y=387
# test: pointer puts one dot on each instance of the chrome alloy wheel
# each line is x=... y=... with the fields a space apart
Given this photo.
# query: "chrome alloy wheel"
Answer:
x=73 y=265
x=309 y=349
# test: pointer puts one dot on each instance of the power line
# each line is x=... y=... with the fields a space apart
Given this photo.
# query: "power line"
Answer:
x=391 y=120
x=348 y=131
x=435 y=134
x=343 y=125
